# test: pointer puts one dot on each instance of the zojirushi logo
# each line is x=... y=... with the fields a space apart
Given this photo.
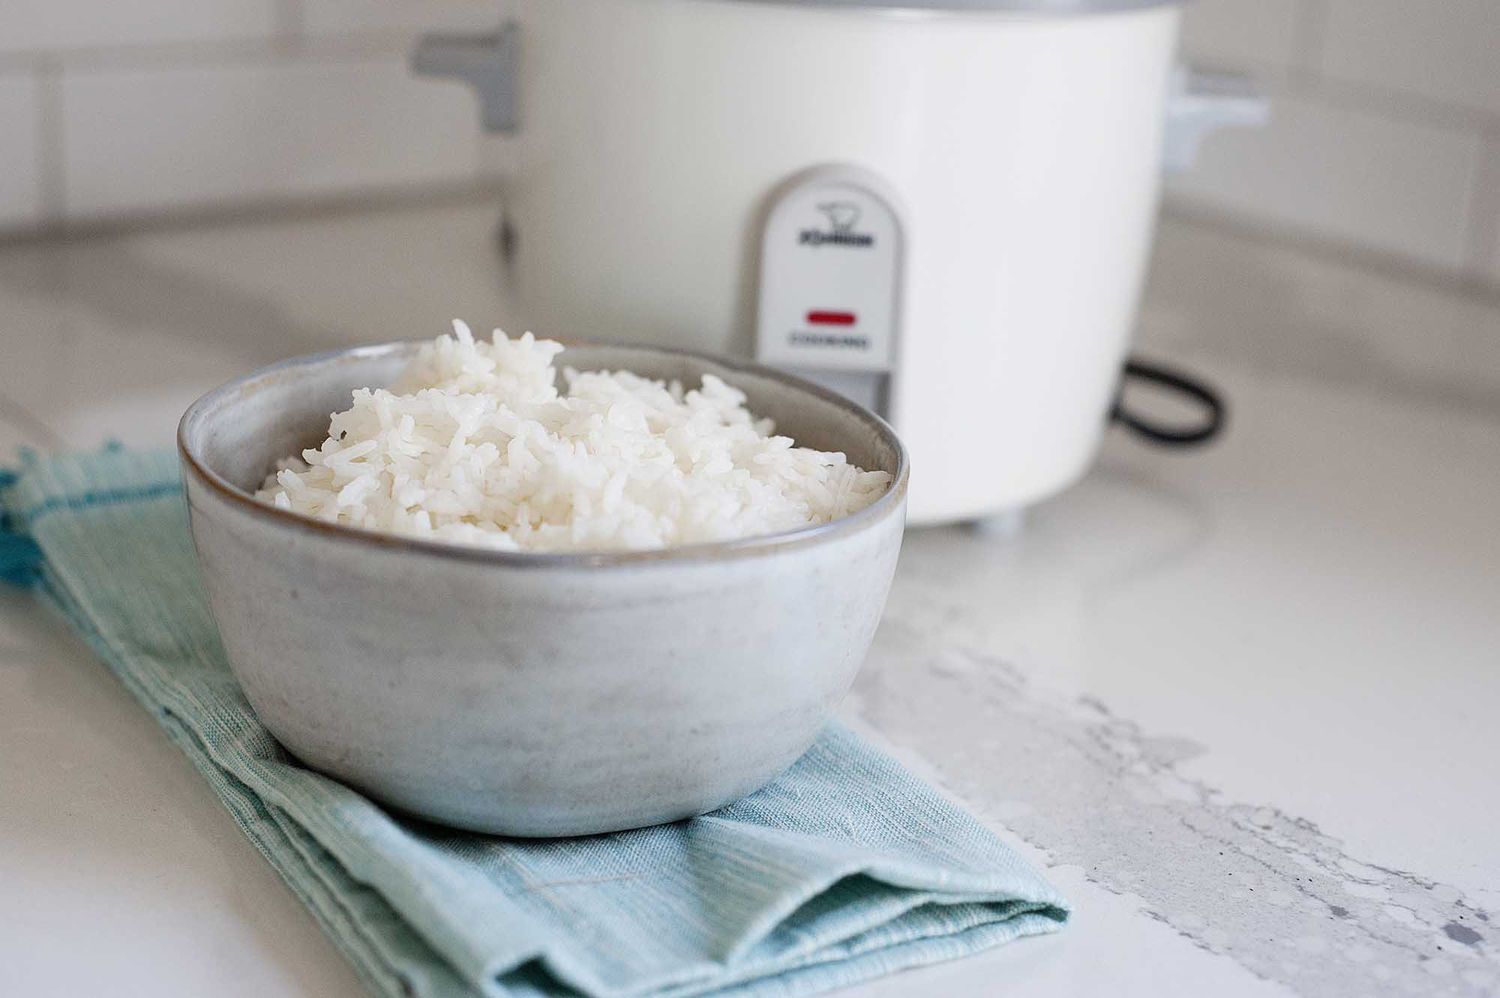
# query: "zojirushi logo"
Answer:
x=843 y=216
x=812 y=237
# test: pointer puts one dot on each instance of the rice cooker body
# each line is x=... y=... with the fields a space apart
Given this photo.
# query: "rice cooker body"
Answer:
x=1017 y=154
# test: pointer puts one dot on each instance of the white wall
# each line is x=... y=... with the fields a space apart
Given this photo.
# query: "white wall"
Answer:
x=112 y=109
x=1386 y=131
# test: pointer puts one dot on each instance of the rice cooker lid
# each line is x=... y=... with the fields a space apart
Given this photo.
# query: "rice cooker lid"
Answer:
x=1055 y=7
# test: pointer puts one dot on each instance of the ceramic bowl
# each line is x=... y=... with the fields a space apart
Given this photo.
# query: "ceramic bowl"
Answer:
x=533 y=694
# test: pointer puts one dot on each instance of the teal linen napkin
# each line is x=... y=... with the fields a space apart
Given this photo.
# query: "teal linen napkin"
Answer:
x=846 y=868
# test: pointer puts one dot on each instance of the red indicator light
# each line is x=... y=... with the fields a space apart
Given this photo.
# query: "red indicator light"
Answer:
x=831 y=318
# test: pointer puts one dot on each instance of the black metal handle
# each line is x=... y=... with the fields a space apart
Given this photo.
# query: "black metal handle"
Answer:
x=1215 y=411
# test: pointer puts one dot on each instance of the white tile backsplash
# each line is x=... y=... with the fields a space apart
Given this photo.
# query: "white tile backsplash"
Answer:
x=1445 y=50
x=46 y=25
x=1395 y=185
x=151 y=139
x=20 y=169
x=1259 y=303
x=356 y=16
x=1234 y=34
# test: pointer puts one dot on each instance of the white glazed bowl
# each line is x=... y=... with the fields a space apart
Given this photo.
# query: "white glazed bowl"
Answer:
x=525 y=694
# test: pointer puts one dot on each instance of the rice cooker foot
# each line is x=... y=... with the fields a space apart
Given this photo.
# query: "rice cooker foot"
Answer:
x=1004 y=526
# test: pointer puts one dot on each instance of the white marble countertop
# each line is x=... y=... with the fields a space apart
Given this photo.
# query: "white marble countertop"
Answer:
x=1242 y=705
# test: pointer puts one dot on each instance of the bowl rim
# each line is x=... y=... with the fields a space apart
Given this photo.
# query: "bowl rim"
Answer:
x=892 y=500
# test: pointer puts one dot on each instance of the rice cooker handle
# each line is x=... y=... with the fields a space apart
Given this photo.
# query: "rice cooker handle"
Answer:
x=1202 y=103
x=488 y=63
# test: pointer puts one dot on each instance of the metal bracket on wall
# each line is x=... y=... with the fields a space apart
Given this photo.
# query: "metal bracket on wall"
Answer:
x=1204 y=102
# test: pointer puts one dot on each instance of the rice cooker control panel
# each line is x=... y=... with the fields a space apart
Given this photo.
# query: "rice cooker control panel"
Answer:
x=830 y=279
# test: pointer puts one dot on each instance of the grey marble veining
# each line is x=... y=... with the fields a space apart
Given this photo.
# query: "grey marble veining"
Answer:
x=1264 y=888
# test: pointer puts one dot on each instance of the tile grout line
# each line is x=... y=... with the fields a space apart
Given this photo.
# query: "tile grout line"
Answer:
x=268 y=211
x=1482 y=242
x=280 y=48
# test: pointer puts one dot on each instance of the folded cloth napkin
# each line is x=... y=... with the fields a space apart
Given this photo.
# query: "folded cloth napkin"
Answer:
x=846 y=868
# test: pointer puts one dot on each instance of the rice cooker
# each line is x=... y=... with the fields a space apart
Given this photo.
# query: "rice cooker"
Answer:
x=940 y=208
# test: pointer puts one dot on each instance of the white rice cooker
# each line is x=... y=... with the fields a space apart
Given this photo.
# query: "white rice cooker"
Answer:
x=941 y=208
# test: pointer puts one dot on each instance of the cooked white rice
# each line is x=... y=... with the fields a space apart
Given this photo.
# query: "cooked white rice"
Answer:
x=475 y=445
